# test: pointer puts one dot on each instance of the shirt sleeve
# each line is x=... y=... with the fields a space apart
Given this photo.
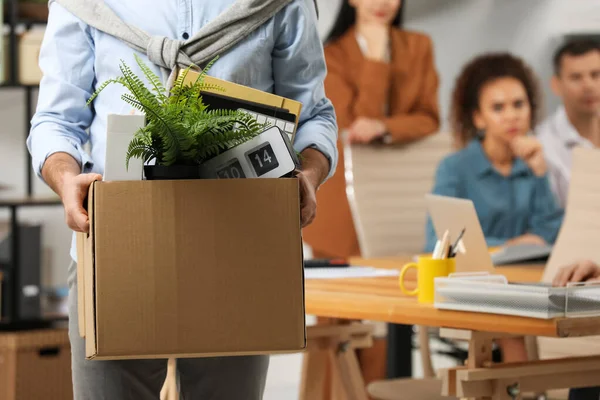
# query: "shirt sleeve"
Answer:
x=447 y=183
x=61 y=119
x=546 y=217
x=299 y=72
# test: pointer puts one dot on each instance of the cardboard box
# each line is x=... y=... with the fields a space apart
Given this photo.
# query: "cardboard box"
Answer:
x=192 y=268
x=35 y=365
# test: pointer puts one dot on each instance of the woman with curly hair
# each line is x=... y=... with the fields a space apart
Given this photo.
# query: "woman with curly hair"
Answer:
x=500 y=165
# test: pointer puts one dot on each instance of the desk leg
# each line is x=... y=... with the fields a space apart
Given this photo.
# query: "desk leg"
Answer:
x=315 y=382
x=480 y=354
x=399 y=351
x=345 y=367
x=330 y=366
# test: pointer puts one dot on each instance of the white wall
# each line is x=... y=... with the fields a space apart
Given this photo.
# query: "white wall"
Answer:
x=462 y=29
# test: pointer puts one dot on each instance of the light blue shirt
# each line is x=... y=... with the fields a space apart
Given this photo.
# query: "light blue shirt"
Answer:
x=507 y=206
x=284 y=56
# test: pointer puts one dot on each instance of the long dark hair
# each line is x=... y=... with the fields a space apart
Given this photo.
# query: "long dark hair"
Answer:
x=347 y=18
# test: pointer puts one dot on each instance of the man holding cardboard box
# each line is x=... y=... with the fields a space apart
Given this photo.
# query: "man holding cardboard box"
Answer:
x=270 y=45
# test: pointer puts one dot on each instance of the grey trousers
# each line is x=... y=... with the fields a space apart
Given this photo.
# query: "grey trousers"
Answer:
x=224 y=378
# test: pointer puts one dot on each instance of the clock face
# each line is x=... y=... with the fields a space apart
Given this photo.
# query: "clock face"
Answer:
x=263 y=159
x=231 y=169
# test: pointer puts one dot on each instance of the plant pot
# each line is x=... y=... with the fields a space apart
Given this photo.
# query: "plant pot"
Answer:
x=161 y=172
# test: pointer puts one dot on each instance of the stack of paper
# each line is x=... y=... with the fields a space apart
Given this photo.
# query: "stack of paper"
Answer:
x=349 y=272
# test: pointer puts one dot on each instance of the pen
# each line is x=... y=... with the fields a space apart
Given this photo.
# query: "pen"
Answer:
x=453 y=249
x=436 y=250
x=444 y=245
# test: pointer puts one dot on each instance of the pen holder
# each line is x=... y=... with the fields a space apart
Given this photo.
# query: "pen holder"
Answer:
x=427 y=270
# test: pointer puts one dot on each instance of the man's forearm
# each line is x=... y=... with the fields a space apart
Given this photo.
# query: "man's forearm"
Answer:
x=315 y=166
x=58 y=167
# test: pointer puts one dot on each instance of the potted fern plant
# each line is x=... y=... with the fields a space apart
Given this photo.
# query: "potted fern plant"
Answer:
x=181 y=132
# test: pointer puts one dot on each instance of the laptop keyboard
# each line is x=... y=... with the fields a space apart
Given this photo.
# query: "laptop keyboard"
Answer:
x=288 y=127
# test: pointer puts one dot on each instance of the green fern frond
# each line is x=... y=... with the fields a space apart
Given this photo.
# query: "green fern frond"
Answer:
x=100 y=89
x=175 y=142
x=199 y=84
x=138 y=88
x=154 y=80
x=178 y=86
x=205 y=87
x=205 y=70
x=132 y=101
x=139 y=149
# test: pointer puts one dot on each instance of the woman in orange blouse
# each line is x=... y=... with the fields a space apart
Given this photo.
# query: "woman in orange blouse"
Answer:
x=383 y=84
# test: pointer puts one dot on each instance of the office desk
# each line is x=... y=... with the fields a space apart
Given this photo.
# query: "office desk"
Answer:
x=380 y=299
x=399 y=344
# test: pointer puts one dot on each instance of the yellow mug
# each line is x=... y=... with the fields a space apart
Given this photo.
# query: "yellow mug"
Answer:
x=427 y=270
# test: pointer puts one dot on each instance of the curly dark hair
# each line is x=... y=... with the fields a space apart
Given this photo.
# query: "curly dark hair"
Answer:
x=477 y=73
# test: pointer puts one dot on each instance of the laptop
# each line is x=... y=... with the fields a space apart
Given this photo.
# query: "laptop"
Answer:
x=454 y=215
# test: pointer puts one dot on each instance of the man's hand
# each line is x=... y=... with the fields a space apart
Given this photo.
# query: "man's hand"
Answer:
x=365 y=130
x=315 y=167
x=578 y=272
x=62 y=173
x=530 y=150
x=74 y=191
x=528 y=238
x=377 y=37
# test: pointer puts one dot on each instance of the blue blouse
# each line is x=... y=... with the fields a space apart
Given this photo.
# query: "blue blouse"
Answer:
x=507 y=206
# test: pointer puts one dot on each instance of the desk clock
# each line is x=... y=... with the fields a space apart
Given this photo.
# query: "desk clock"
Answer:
x=268 y=155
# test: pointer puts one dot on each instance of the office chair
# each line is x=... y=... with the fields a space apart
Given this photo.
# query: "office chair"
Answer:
x=386 y=186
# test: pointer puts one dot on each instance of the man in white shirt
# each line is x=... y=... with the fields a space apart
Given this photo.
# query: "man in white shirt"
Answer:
x=576 y=81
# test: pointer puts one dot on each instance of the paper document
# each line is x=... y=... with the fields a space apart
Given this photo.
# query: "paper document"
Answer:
x=350 y=272
x=580 y=232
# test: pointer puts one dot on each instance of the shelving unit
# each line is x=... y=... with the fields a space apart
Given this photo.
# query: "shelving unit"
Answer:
x=10 y=321
x=13 y=20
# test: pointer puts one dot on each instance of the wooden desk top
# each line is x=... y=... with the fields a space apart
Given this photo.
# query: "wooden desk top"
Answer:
x=514 y=273
x=380 y=299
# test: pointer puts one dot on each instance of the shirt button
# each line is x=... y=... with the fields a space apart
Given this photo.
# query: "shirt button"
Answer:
x=185 y=35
